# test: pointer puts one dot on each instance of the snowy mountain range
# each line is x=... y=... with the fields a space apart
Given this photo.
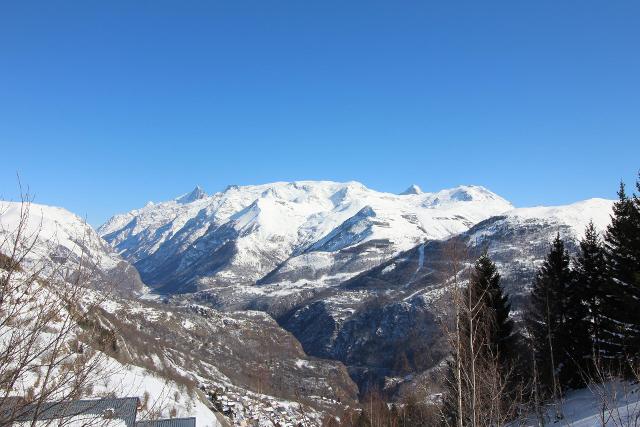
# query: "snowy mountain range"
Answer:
x=388 y=316
x=151 y=352
x=353 y=275
x=248 y=234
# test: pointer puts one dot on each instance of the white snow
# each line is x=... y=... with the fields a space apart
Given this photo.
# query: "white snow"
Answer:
x=58 y=234
x=163 y=395
x=413 y=189
x=389 y=268
x=56 y=227
x=76 y=421
x=107 y=377
x=280 y=221
x=420 y=257
x=612 y=404
x=577 y=216
x=420 y=265
x=303 y=212
x=301 y=363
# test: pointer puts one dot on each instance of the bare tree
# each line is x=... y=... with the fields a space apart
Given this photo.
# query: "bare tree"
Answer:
x=44 y=308
x=456 y=254
x=483 y=388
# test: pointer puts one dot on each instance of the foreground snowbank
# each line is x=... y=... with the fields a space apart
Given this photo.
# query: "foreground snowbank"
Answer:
x=614 y=404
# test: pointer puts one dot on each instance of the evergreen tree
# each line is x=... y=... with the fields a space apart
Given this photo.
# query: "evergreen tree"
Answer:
x=494 y=308
x=487 y=343
x=588 y=295
x=621 y=323
x=547 y=319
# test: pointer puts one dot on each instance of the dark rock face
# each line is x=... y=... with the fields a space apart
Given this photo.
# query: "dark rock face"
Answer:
x=372 y=324
x=381 y=338
x=315 y=328
x=388 y=340
x=124 y=278
x=518 y=248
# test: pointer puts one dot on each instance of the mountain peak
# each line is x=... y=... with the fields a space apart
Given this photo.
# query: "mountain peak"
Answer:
x=413 y=189
x=196 y=194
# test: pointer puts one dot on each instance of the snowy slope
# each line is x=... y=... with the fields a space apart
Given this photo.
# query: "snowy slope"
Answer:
x=345 y=322
x=62 y=235
x=243 y=233
x=164 y=395
x=612 y=404
x=519 y=240
x=103 y=374
x=574 y=217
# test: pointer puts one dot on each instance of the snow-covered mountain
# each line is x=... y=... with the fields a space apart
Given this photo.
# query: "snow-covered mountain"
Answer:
x=165 y=354
x=63 y=237
x=412 y=189
x=348 y=273
x=355 y=274
x=249 y=234
x=573 y=218
x=371 y=321
x=517 y=241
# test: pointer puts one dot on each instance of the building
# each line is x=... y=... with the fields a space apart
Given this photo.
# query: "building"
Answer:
x=171 y=422
x=109 y=412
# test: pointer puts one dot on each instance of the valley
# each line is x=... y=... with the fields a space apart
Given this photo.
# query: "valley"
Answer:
x=309 y=292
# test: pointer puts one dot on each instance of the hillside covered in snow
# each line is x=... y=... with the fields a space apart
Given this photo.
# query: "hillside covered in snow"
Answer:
x=59 y=235
x=173 y=358
x=353 y=273
x=246 y=234
x=259 y=295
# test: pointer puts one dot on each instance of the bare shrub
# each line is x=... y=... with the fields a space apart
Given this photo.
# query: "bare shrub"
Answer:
x=43 y=300
x=482 y=388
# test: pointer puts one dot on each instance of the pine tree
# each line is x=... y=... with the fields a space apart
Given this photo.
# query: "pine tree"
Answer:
x=485 y=286
x=621 y=325
x=487 y=346
x=546 y=319
x=589 y=293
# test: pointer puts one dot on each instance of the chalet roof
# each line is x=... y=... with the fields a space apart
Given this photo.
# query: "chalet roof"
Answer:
x=124 y=409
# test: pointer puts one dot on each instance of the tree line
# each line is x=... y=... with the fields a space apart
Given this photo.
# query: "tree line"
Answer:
x=582 y=324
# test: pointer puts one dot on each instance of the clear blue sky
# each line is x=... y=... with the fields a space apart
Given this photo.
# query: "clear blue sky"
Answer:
x=106 y=105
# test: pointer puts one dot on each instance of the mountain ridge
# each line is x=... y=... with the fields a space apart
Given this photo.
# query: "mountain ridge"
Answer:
x=268 y=224
x=352 y=273
x=64 y=238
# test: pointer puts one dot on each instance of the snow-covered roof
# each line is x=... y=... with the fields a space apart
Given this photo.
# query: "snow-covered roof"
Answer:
x=122 y=409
